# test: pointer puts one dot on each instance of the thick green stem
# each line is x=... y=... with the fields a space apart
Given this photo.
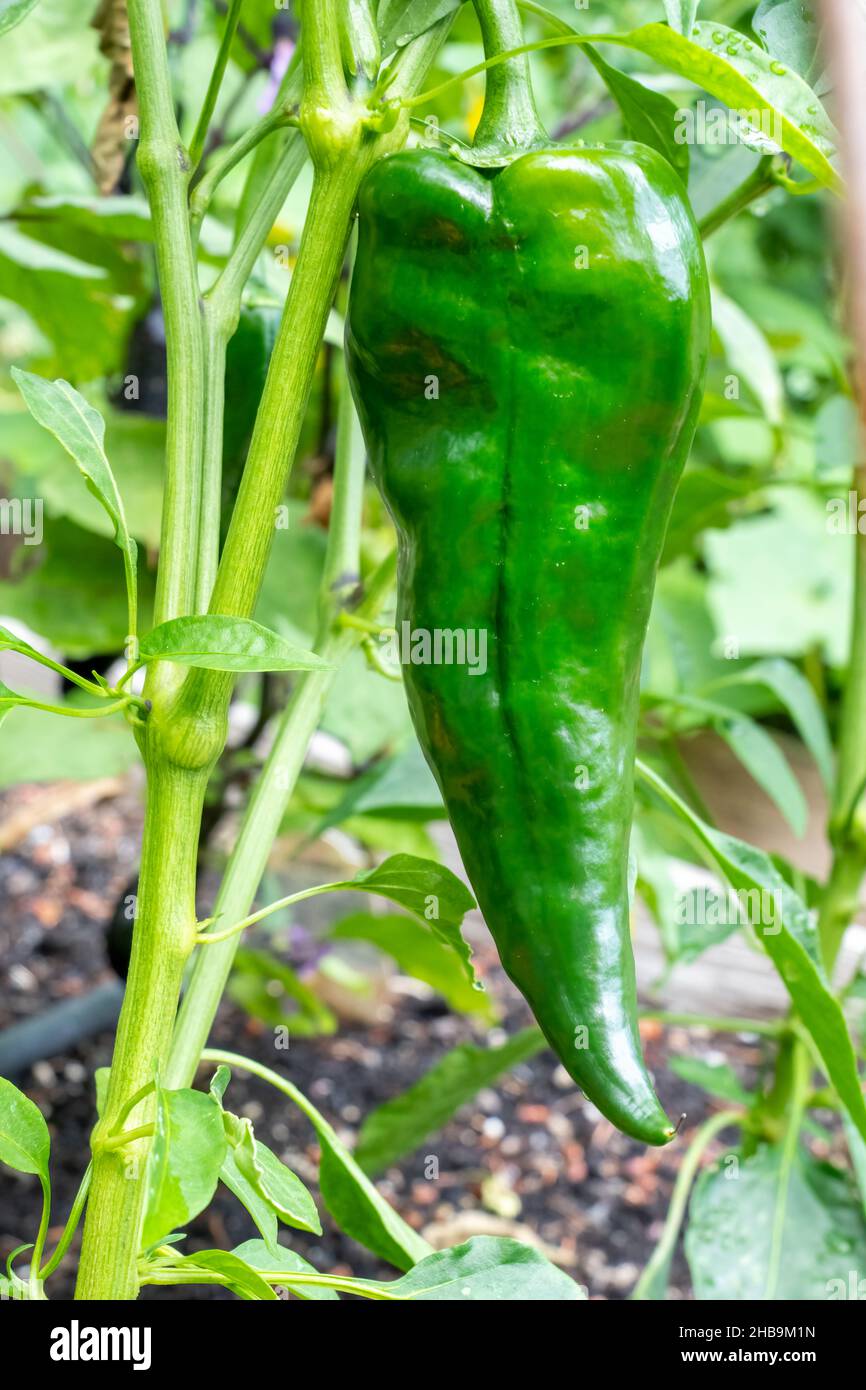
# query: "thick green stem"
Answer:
x=162 y=942
x=509 y=121
x=164 y=167
x=284 y=399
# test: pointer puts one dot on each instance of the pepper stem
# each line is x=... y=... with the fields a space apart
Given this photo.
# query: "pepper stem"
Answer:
x=509 y=121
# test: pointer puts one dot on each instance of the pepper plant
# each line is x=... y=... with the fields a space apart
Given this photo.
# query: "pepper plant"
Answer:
x=498 y=366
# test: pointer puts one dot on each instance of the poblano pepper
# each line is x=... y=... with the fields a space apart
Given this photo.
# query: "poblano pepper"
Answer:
x=527 y=347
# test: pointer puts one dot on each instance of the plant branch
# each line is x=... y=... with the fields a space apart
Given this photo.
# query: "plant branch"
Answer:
x=846 y=36
x=660 y=1259
x=763 y=1027
x=229 y=158
x=164 y=168
x=197 y=144
x=265 y=812
x=71 y=1225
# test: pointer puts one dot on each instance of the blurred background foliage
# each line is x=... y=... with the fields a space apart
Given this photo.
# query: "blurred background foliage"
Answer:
x=750 y=627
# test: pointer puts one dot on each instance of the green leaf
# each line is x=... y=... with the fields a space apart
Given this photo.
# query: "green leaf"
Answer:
x=790 y=942
x=729 y=1240
x=400 y=1125
x=649 y=116
x=430 y=891
x=358 y=1208
x=53 y=44
x=261 y=1211
x=402 y=20
x=273 y=1181
x=186 y=1156
x=812 y=609
x=756 y=750
x=25 y=1143
x=13 y=11
x=259 y=1256
x=681 y=14
x=716 y=1078
x=419 y=954
x=225 y=644
x=261 y=984
x=655 y=884
x=729 y=66
x=219 y=1083
x=69 y=300
x=136 y=447
x=797 y=696
x=61 y=410
x=763 y=759
x=749 y=355
x=345 y=1189
x=125 y=216
x=9 y=701
x=241 y=1278
x=485 y=1269
x=788 y=31
x=402 y=785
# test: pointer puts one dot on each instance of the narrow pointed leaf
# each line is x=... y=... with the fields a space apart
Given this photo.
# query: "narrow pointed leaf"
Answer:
x=61 y=410
x=790 y=940
x=226 y=644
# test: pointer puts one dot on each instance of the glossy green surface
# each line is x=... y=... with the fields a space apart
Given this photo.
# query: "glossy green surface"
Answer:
x=527 y=350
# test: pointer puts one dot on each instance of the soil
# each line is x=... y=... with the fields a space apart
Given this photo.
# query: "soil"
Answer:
x=529 y=1156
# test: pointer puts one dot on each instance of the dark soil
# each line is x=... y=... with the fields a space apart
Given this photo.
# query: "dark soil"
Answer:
x=529 y=1157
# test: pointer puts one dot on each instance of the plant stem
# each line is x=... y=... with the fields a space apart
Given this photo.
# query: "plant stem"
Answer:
x=284 y=399
x=762 y=1027
x=845 y=35
x=509 y=120
x=164 y=167
x=162 y=941
x=660 y=1259
x=36 y=1258
x=796 y=1104
x=127 y=1136
x=215 y=338
x=229 y=158
x=261 y=823
x=196 y=145
x=211 y=938
x=759 y=182
x=71 y=1225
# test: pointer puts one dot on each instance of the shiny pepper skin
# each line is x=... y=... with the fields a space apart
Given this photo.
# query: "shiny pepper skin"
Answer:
x=527 y=349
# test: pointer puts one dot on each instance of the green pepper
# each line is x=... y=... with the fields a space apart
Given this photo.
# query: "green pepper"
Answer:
x=527 y=344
